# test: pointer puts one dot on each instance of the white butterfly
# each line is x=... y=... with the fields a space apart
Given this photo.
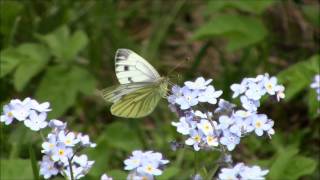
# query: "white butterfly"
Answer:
x=141 y=87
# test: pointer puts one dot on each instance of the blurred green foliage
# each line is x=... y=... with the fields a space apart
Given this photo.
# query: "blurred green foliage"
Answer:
x=62 y=52
x=237 y=29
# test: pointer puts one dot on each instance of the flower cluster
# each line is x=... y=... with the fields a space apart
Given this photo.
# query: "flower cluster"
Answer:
x=193 y=93
x=316 y=85
x=60 y=147
x=144 y=165
x=241 y=123
x=60 y=152
x=242 y=172
x=221 y=125
x=200 y=130
x=32 y=113
x=251 y=90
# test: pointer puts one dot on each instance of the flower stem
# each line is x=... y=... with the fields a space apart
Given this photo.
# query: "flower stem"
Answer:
x=42 y=136
x=34 y=163
x=70 y=167
x=196 y=164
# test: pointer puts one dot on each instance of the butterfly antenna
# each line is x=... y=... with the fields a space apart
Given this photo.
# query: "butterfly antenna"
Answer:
x=170 y=83
x=178 y=65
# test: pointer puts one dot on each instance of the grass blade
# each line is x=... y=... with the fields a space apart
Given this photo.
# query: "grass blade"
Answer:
x=34 y=163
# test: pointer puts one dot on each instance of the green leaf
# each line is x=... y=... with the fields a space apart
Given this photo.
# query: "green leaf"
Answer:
x=27 y=60
x=169 y=173
x=256 y=7
x=299 y=76
x=63 y=45
x=120 y=136
x=34 y=59
x=282 y=161
x=61 y=85
x=10 y=58
x=77 y=42
x=15 y=169
x=57 y=41
x=241 y=31
x=288 y=165
x=300 y=166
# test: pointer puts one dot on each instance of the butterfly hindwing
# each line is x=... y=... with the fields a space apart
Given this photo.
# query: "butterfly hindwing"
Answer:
x=114 y=93
x=138 y=103
x=132 y=68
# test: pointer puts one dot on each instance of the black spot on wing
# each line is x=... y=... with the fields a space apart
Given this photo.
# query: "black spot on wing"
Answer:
x=126 y=68
x=122 y=54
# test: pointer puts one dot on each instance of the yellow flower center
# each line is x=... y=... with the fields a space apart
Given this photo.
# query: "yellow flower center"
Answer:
x=269 y=86
x=10 y=114
x=68 y=141
x=197 y=138
x=61 y=152
x=51 y=145
x=211 y=139
x=149 y=168
x=258 y=124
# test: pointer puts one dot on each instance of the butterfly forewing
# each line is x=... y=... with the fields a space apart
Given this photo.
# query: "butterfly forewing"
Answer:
x=132 y=68
x=138 y=103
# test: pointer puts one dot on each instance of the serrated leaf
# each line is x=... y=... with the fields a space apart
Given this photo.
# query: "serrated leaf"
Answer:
x=256 y=7
x=10 y=58
x=299 y=76
x=63 y=45
x=61 y=85
x=57 y=41
x=77 y=42
x=126 y=139
x=241 y=31
x=26 y=61
x=34 y=59
x=10 y=167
